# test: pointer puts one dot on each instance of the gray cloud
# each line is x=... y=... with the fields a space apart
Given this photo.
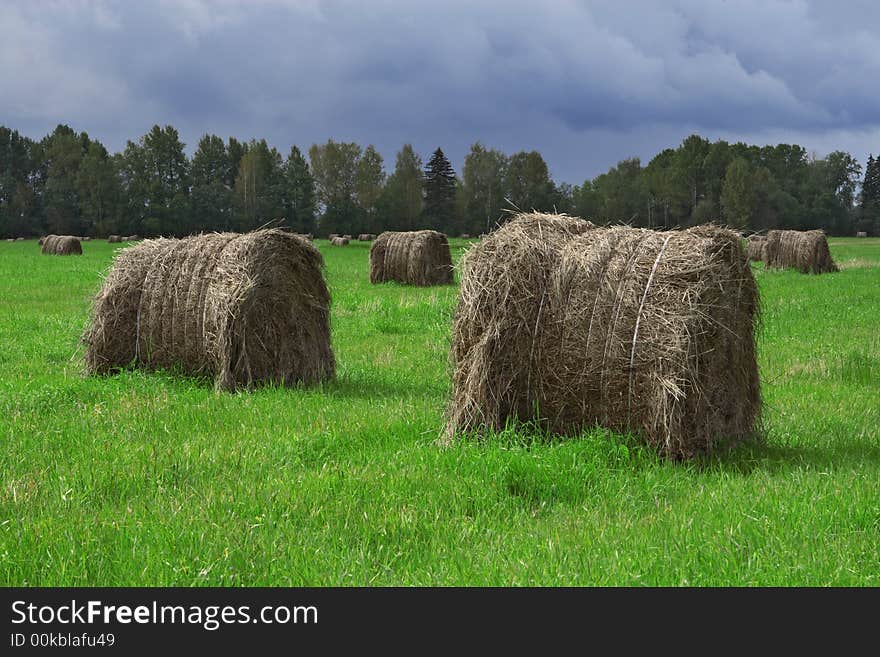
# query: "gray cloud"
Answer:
x=586 y=83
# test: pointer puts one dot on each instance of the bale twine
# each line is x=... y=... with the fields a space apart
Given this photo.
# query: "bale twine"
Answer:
x=630 y=329
x=807 y=251
x=339 y=241
x=245 y=309
x=114 y=239
x=61 y=245
x=755 y=247
x=366 y=237
x=418 y=257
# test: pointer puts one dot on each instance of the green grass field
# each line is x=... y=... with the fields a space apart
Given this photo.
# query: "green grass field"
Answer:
x=151 y=479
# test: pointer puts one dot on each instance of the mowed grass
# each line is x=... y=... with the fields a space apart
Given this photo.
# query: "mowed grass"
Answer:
x=152 y=479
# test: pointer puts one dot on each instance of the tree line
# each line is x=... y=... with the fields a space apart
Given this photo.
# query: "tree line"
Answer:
x=69 y=183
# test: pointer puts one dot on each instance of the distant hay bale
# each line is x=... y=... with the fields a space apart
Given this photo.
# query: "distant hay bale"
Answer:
x=114 y=239
x=574 y=326
x=332 y=235
x=86 y=239
x=861 y=233
x=465 y=236
x=755 y=247
x=366 y=237
x=245 y=309
x=419 y=257
x=339 y=241
x=131 y=238
x=19 y=239
x=807 y=251
x=348 y=237
x=61 y=245
x=10 y=239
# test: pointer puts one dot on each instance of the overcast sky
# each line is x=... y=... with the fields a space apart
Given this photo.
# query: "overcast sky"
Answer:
x=585 y=83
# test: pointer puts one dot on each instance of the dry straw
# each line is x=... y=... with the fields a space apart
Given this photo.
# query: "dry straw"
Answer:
x=366 y=237
x=61 y=245
x=339 y=241
x=807 y=251
x=418 y=257
x=244 y=309
x=755 y=247
x=629 y=329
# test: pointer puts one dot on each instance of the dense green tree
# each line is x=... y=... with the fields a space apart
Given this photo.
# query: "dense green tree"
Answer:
x=164 y=168
x=335 y=171
x=18 y=200
x=299 y=193
x=211 y=197
x=258 y=197
x=483 y=188
x=63 y=153
x=439 y=212
x=402 y=199
x=528 y=182
x=99 y=191
x=369 y=183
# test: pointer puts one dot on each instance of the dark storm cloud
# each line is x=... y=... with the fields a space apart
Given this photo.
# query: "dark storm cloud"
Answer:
x=585 y=83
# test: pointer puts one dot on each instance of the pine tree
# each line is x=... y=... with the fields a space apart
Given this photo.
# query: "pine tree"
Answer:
x=440 y=183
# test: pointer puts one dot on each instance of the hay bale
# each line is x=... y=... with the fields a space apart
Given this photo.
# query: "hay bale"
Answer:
x=861 y=233
x=131 y=238
x=634 y=330
x=366 y=237
x=61 y=245
x=807 y=251
x=19 y=239
x=41 y=240
x=86 y=239
x=332 y=235
x=339 y=241
x=114 y=239
x=245 y=309
x=755 y=247
x=465 y=236
x=10 y=239
x=419 y=257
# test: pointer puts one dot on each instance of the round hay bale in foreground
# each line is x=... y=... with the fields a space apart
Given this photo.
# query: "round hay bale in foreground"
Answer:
x=419 y=257
x=245 y=309
x=61 y=245
x=807 y=251
x=755 y=247
x=633 y=330
x=339 y=241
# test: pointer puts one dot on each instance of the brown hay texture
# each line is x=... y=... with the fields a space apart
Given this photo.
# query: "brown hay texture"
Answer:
x=366 y=237
x=755 y=247
x=245 y=309
x=339 y=241
x=807 y=251
x=61 y=245
x=420 y=257
x=629 y=329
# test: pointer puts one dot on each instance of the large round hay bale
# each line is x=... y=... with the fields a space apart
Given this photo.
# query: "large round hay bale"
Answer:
x=755 y=247
x=61 y=245
x=339 y=241
x=634 y=330
x=245 y=309
x=419 y=257
x=807 y=251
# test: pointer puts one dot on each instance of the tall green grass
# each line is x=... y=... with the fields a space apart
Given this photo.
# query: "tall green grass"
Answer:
x=152 y=479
